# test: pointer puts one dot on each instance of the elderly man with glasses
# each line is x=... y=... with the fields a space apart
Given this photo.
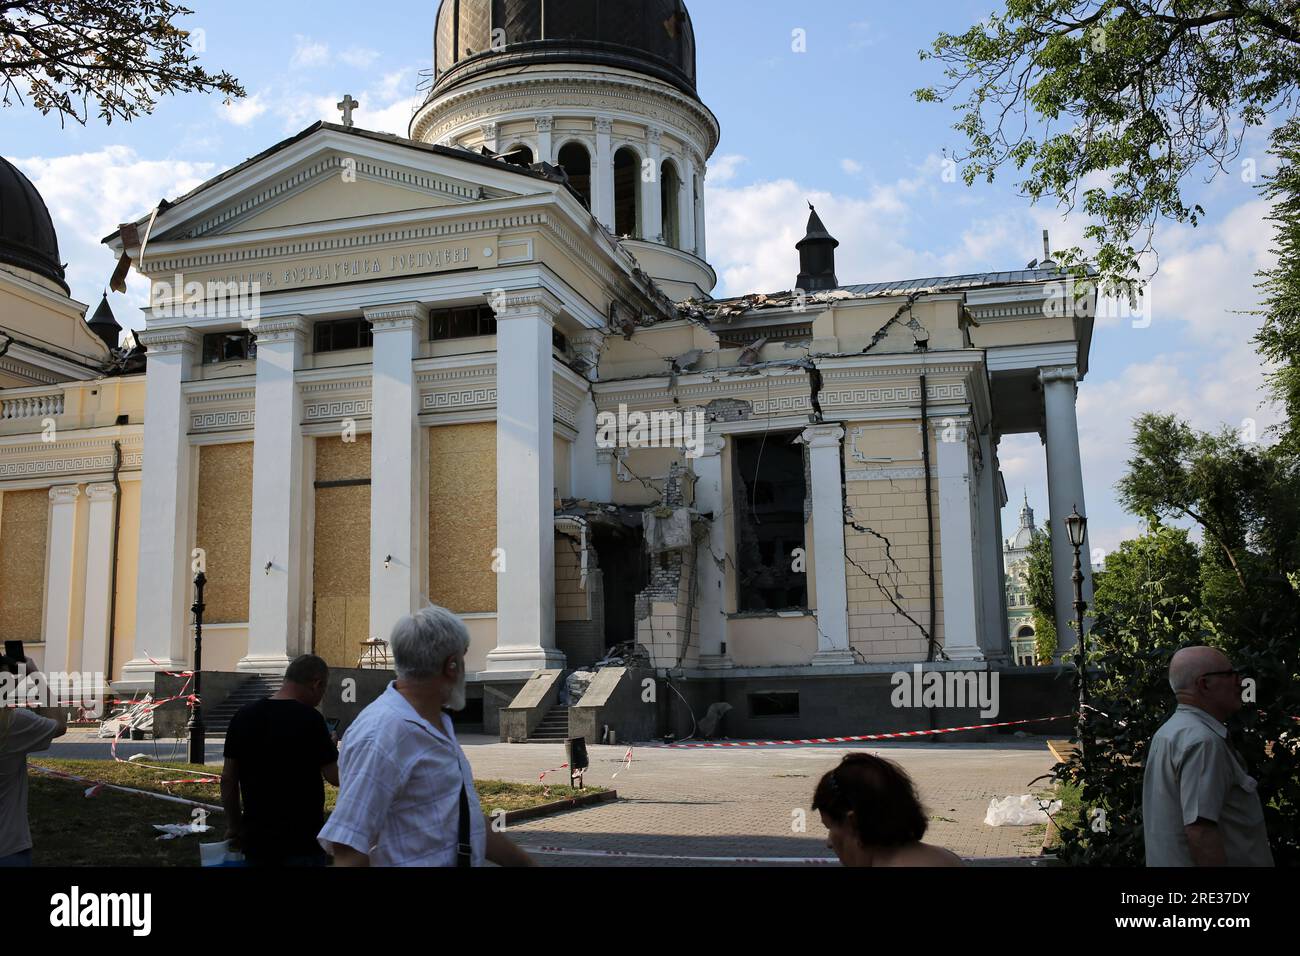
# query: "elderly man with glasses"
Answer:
x=1200 y=806
x=406 y=794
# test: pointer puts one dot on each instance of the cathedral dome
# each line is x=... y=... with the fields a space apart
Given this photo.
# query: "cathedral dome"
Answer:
x=651 y=37
x=27 y=237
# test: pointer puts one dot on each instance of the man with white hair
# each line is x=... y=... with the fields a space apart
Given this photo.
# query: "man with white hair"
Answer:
x=406 y=791
x=1199 y=805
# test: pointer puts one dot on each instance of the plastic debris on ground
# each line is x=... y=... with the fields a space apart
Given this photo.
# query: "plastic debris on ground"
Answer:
x=1022 y=811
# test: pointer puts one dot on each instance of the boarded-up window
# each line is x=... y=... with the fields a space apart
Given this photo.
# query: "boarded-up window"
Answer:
x=341 y=555
x=224 y=529
x=463 y=517
x=24 y=523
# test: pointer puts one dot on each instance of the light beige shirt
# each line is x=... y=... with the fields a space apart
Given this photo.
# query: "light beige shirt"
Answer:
x=21 y=732
x=1192 y=773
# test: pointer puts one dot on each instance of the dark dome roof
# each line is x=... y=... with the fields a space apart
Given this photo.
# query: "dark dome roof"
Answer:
x=27 y=237
x=654 y=37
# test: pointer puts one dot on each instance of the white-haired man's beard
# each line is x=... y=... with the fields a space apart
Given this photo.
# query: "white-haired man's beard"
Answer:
x=458 y=701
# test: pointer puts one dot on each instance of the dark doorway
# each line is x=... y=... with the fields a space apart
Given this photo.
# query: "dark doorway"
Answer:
x=625 y=569
x=770 y=490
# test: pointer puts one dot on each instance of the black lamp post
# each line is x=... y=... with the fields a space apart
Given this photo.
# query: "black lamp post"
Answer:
x=197 y=732
x=1076 y=525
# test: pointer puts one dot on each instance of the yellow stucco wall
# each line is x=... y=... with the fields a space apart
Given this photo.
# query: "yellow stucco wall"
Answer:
x=224 y=529
x=341 y=549
x=462 y=516
x=24 y=525
x=128 y=555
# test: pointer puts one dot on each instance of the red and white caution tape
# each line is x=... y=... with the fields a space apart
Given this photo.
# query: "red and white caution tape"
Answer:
x=627 y=762
x=98 y=785
x=628 y=855
x=860 y=737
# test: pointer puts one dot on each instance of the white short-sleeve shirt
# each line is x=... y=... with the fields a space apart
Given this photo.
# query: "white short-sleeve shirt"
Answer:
x=1193 y=773
x=21 y=732
x=399 y=789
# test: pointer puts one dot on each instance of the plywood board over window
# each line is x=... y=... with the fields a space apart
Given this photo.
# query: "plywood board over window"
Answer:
x=24 y=524
x=225 y=528
x=341 y=576
x=462 y=517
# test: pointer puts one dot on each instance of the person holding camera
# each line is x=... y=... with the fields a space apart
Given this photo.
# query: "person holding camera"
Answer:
x=22 y=731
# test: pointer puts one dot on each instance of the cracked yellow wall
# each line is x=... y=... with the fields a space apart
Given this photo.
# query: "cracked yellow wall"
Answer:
x=894 y=508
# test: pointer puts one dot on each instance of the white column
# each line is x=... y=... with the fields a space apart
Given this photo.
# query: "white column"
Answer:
x=712 y=578
x=993 y=634
x=490 y=136
x=957 y=538
x=102 y=499
x=701 y=240
x=825 y=452
x=163 y=593
x=1064 y=494
x=274 y=593
x=60 y=604
x=652 y=213
x=525 y=478
x=545 y=149
x=602 y=174
x=587 y=347
x=394 y=466
x=686 y=209
x=606 y=463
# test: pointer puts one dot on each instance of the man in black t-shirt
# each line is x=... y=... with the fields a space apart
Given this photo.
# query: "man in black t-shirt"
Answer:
x=278 y=753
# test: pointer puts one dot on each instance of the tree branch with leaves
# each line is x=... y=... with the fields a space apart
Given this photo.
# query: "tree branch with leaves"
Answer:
x=113 y=58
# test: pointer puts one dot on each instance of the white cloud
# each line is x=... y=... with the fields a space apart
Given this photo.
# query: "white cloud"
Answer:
x=90 y=194
x=851 y=166
x=723 y=169
x=245 y=111
x=308 y=53
x=359 y=57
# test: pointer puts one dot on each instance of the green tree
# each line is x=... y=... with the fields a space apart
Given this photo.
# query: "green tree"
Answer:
x=1128 y=98
x=1278 y=339
x=1041 y=591
x=111 y=56
x=1235 y=592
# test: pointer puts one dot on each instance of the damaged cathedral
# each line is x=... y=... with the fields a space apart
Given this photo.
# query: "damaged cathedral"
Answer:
x=529 y=408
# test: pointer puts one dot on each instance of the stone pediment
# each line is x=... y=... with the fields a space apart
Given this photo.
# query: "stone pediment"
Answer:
x=331 y=175
x=333 y=187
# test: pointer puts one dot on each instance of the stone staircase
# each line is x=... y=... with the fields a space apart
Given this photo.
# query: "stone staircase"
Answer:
x=554 y=728
x=256 y=687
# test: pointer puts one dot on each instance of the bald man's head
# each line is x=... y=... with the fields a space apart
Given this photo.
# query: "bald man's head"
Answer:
x=1204 y=677
x=1192 y=663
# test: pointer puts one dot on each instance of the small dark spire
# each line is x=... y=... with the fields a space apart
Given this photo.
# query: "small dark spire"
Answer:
x=817 y=256
x=104 y=324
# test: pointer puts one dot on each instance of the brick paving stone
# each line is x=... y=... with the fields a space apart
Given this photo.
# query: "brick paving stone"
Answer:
x=743 y=803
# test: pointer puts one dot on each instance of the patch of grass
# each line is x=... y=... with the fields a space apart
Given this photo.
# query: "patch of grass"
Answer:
x=1071 y=811
x=116 y=829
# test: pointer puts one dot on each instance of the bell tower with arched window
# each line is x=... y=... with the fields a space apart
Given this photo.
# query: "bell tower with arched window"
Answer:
x=604 y=90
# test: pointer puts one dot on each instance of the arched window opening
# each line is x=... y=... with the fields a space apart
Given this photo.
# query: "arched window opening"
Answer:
x=519 y=155
x=627 y=193
x=670 y=189
x=576 y=162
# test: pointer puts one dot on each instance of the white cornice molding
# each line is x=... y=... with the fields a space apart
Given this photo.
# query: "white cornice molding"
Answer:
x=71 y=456
x=519 y=95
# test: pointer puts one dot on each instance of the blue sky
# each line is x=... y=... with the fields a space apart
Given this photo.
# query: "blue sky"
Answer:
x=837 y=124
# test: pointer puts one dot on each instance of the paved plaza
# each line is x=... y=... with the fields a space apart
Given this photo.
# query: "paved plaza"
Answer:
x=742 y=803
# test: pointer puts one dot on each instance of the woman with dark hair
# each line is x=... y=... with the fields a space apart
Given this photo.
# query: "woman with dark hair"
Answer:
x=870 y=807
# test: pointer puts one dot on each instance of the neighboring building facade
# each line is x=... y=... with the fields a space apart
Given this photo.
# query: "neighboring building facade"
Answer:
x=1020 y=613
x=71 y=436
x=416 y=407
